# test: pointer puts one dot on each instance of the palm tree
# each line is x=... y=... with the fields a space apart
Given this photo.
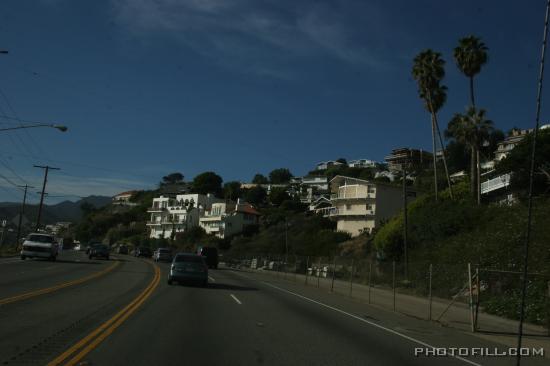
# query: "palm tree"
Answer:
x=473 y=129
x=470 y=56
x=428 y=70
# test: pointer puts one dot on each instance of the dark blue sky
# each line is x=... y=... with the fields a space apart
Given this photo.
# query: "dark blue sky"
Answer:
x=241 y=87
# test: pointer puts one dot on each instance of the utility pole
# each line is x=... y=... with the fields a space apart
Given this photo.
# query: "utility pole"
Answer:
x=405 y=220
x=26 y=186
x=46 y=170
x=286 y=241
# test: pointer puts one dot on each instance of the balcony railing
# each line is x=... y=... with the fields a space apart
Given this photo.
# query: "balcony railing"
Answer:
x=352 y=196
x=495 y=183
x=334 y=211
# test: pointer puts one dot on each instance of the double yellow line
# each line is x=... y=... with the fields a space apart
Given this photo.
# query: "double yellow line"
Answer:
x=92 y=340
x=47 y=290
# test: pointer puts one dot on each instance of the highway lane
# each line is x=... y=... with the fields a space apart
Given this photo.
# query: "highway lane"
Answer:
x=18 y=276
x=239 y=319
x=36 y=330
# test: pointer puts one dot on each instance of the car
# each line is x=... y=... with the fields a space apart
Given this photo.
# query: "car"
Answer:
x=162 y=254
x=188 y=267
x=123 y=249
x=40 y=245
x=211 y=256
x=143 y=252
x=99 y=251
x=91 y=246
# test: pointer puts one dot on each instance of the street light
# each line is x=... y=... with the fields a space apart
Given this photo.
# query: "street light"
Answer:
x=59 y=127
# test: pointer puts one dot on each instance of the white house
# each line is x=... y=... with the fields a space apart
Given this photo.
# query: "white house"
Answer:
x=123 y=199
x=327 y=164
x=172 y=215
x=225 y=219
x=362 y=163
x=360 y=205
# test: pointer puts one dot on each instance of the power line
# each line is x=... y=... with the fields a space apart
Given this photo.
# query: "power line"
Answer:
x=5 y=97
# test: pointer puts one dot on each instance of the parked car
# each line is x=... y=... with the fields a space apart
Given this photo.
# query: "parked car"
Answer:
x=99 y=251
x=40 y=245
x=211 y=256
x=143 y=252
x=123 y=249
x=187 y=267
x=162 y=254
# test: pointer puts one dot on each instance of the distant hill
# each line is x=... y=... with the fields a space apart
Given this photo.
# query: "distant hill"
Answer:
x=63 y=211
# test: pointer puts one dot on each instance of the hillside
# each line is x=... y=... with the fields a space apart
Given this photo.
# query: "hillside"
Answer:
x=63 y=211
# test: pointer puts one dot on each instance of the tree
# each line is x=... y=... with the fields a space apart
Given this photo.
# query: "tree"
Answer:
x=518 y=163
x=207 y=182
x=428 y=70
x=172 y=178
x=255 y=195
x=232 y=190
x=280 y=176
x=474 y=130
x=260 y=179
x=470 y=55
x=278 y=195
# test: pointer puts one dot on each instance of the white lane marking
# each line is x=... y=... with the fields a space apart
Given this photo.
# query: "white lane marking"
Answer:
x=389 y=330
x=236 y=300
x=211 y=278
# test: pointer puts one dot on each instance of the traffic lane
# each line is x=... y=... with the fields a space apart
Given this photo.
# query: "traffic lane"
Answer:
x=419 y=329
x=317 y=333
x=29 y=275
x=36 y=330
x=236 y=321
x=186 y=324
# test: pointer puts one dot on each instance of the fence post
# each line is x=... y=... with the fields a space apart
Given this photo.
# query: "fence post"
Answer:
x=370 y=277
x=351 y=279
x=333 y=274
x=471 y=297
x=393 y=283
x=307 y=268
x=430 y=292
x=295 y=266
x=319 y=272
x=478 y=292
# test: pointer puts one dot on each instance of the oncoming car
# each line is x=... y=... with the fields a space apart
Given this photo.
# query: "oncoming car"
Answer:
x=40 y=246
x=187 y=267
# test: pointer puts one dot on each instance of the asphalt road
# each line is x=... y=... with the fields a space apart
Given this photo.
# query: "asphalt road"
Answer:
x=122 y=312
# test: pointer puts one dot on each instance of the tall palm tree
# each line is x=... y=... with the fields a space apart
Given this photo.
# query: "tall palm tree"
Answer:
x=470 y=56
x=473 y=129
x=428 y=70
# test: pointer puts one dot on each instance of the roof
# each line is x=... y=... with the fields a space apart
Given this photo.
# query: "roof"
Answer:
x=247 y=208
x=127 y=193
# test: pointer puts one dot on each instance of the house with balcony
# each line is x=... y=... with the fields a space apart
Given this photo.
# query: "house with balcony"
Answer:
x=360 y=205
x=171 y=215
x=362 y=163
x=226 y=219
x=405 y=155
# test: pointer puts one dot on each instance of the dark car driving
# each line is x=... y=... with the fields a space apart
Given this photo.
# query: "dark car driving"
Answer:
x=143 y=252
x=187 y=267
x=99 y=251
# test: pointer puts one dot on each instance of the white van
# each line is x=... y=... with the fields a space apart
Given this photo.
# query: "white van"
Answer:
x=40 y=245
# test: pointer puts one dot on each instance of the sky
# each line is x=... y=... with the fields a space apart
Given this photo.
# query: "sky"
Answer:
x=150 y=87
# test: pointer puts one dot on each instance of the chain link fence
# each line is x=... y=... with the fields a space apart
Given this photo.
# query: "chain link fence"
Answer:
x=460 y=295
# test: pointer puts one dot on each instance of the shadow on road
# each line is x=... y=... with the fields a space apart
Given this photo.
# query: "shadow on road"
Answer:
x=71 y=262
x=225 y=286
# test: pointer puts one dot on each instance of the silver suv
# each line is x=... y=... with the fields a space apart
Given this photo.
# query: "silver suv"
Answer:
x=41 y=246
